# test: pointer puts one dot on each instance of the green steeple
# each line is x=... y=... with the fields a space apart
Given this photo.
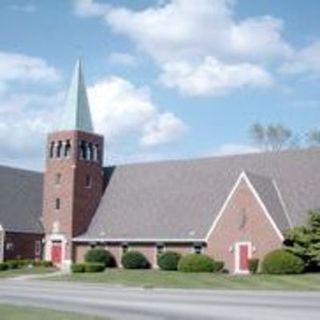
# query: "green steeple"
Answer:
x=76 y=115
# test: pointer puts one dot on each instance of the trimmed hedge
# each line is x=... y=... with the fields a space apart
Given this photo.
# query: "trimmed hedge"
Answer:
x=42 y=263
x=196 y=263
x=100 y=255
x=168 y=260
x=13 y=264
x=94 y=267
x=218 y=266
x=134 y=260
x=253 y=265
x=281 y=261
x=78 y=267
x=3 y=266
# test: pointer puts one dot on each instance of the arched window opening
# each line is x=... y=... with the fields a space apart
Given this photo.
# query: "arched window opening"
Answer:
x=58 y=179
x=96 y=153
x=59 y=149
x=51 y=151
x=88 y=182
x=58 y=204
x=67 y=149
x=90 y=152
x=83 y=150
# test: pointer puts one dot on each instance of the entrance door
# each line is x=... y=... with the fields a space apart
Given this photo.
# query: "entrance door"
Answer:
x=242 y=256
x=56 y=253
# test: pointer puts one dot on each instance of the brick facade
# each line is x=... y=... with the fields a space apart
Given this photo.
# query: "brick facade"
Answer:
x=243 y=220
x=22 y=246
x=77 y=181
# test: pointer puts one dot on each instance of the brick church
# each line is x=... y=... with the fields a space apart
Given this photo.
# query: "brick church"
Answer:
x=231 y=207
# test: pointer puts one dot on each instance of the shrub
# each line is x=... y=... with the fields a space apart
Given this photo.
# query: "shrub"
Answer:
x=78 y=267
x=101 y=256
x=94 y=267
x=3 y=266
x=253 y=265
x=282 y=262
x=42 y=263
x=169 y=260
x=12 y=264
x=196 y=263
x=134 y=260
x=218 y=266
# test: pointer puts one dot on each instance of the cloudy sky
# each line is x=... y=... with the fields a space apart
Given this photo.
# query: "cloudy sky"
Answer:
x=166 y=79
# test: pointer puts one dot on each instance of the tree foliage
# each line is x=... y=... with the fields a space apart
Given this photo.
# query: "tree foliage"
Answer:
x=313 y=137
x=273 y=137
x=304 y=241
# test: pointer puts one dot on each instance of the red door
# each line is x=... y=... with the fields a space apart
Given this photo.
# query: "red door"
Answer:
x=243 y=257
x=56 y=252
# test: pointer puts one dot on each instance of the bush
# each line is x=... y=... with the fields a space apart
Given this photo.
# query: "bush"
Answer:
x=134 y=260
x=78 y=267
x=42 y=263
x=94 y=267
x=12 y=264
x=282 y=262
x=196 y=263
x=253 y=265
x=169 y=260
x=218 y=266
x=101 y=256
x=3 y=266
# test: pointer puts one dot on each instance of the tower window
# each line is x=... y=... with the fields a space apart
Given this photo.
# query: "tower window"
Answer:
x=51 y=151
x=90 y=151
x=88 y=182
x=83 y=150
x=58 y=204
x=58 y=179
x=96 y=155
x=67 y=149
x=59 y=149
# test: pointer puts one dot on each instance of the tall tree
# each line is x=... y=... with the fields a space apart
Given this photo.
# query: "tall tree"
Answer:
x=313 y=137
x=273 y=137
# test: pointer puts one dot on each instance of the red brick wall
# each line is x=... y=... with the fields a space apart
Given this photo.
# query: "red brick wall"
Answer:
x=23 y=245
x=78 y=202
x=242 y=220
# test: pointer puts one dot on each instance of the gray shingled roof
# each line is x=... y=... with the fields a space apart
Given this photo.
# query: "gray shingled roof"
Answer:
x=20 y=200
x=180 y=199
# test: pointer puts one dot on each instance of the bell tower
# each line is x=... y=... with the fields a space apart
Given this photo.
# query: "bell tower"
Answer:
x=73 y=178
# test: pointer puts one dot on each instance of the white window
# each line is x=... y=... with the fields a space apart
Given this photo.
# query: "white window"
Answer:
x=37 y=248
x=88 y=182
x=9 y=246
x=197 y=248
x=125 y=247
x=160 y=248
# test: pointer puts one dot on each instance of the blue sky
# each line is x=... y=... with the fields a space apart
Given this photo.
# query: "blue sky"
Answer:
x=166 y=79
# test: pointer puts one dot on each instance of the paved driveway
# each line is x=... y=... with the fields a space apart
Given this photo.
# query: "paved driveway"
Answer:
x=138 y=303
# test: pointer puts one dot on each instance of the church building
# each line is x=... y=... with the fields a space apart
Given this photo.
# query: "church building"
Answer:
x=228 y=207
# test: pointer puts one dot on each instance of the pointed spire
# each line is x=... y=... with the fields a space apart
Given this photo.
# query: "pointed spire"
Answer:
x=77 y=115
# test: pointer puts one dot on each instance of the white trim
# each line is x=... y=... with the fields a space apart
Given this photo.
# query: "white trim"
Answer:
x=244 y=177
x=132 y=240
x=2 y=238
x=237 y=256
x=225 y=204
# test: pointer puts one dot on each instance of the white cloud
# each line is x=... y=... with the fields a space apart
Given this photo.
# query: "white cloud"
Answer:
x=24 y=68
x=119 y=108
x=202 y=38
x=213 y=77
x=232 y=149
x=305 y=61
x=166 y=127
x=122 y=58
x=89 y=8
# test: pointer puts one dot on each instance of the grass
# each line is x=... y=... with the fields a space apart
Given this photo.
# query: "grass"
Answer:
x=171 y=279
x=12 y=312
x=25 y=271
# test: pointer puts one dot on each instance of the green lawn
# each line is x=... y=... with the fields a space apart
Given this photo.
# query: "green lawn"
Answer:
x=25 y=271
x=167 y=279
x=11 y=312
